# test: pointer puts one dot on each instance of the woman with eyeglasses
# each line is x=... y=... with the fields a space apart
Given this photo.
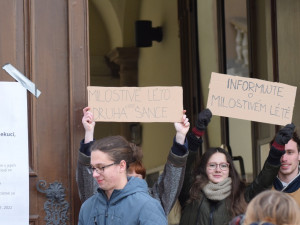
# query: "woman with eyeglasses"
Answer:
x=214 y=193
x=217 y=192
x=121 y=199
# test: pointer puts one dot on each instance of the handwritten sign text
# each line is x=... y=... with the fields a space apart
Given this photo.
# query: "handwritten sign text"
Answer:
x=136 y=104
x=251 y=99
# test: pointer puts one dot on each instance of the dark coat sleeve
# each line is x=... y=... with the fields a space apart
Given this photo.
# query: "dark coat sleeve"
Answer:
x=195 y=149
x=188 y=178
x=265 y=178
x=169 y=183
x=86 y=184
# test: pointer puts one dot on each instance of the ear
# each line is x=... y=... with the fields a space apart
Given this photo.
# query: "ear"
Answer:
x=123 y=166
x=299 y=157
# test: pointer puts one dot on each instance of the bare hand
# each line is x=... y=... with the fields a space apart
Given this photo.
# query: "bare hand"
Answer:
x=88 y=124
x=182 y=128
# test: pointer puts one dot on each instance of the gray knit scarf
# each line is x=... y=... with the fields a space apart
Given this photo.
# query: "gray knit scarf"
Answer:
x=218 y=191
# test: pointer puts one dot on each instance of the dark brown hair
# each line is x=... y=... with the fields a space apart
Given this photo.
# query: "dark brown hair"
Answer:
x=118 y=149
x=237 y=200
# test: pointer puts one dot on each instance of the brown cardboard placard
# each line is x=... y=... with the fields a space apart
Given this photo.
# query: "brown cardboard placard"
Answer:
x=136 y=104
x=251 y=99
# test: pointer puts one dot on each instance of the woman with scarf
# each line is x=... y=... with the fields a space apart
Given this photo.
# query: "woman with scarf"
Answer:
x=214 y=193
x=217 y=194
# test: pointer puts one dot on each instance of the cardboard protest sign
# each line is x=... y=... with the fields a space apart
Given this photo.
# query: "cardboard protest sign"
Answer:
x=251 y=99
x=136 y=104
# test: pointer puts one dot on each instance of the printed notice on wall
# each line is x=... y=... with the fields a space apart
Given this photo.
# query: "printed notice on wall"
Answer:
x=251 y=99
x=14 y=177
x=136 y=104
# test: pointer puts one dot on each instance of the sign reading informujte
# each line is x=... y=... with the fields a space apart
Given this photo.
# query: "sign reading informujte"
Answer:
x=251 y=99
x=136 y=104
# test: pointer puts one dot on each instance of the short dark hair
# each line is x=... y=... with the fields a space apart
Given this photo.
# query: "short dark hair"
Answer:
x=297 y=140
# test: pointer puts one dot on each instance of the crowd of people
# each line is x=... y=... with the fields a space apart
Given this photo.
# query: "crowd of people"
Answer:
x=113 y=190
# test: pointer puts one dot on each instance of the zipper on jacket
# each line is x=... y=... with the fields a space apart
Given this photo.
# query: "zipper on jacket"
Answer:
x=198 y=211
x=211 y=214
x=95 y=221
x=106 y=210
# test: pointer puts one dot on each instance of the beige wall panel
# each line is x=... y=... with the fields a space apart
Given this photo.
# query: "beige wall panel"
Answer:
x=159 y=65
x=288 y=25
x=208 y=57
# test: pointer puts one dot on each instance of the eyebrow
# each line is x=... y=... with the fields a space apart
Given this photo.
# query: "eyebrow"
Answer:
x=98 y=165
x=291 y=150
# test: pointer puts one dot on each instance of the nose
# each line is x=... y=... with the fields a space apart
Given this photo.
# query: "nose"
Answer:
x=218 y=168
x=283 y=158
x=95 y=174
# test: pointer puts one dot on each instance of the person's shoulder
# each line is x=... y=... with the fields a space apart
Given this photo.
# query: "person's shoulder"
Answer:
x=91 y=200
x=136 y=187
x=137 y=183
x=138 y=190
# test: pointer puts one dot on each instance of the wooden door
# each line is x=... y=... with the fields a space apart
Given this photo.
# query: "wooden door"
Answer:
x=47 y=40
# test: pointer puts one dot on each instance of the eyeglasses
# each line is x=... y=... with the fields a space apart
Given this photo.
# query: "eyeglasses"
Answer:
x=100 y=170
x=222 y=166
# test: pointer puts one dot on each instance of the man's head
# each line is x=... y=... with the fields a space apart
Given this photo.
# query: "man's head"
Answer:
x=290 y=160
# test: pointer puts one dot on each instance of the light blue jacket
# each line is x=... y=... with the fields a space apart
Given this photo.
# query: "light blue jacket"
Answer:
x=128 y=206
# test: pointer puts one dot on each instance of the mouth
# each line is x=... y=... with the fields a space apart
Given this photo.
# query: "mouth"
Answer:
x=99 y=181
x=284 y=166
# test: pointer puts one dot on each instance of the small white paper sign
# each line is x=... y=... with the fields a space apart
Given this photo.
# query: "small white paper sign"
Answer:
x=136 y=104
x=251 y=99
x=14 y=171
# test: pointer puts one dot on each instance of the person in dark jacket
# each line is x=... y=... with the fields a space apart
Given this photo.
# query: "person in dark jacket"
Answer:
x=217 y=193
x=287 y=178
x=169 y=183
x=214 y=193
x=120 y=199
x=282 y=166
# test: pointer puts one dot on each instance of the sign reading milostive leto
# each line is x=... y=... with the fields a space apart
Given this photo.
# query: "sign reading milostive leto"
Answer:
x=251 y=99
x=136 y=104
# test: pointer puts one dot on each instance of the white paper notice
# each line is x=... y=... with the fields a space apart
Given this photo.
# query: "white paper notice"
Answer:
x=14 y=177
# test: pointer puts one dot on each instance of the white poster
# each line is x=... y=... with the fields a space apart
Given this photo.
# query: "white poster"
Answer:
x=14 y=171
